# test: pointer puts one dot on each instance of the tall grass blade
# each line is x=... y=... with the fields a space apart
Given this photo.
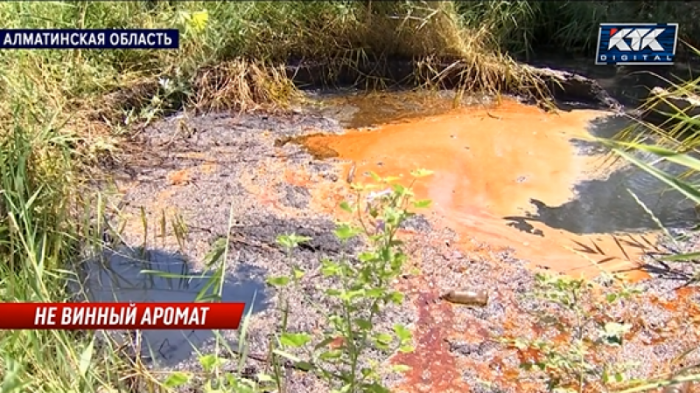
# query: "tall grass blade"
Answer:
x=684 y=188
x=653 y=216
x=86 y=358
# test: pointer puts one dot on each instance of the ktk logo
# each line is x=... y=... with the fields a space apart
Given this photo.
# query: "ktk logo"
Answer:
x=639 y=39
x=636 y=43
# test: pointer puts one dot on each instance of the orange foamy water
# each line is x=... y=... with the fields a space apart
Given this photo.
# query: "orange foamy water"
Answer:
x=490 y=164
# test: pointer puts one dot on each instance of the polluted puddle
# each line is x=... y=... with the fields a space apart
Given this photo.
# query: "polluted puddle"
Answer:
x=156 y=276
x=515 y=184
x=511 y=185
x=512 y=176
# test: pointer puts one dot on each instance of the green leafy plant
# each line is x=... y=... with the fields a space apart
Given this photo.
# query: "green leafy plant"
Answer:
x=363 y=288
x=569 y=311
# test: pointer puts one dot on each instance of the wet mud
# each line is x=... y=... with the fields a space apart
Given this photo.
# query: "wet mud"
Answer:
x=515 y=190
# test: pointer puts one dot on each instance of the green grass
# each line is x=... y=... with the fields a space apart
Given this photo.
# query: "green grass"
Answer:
x=260 y=34
x=676 y=141
x=35 y=240
x=571 y=27
x=62 y=111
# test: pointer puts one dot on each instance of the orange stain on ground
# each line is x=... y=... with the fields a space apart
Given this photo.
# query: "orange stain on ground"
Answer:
x=488 y=164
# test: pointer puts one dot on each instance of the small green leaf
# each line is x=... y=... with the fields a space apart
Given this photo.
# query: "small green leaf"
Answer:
x=396 y=297
x=209 y=362
x=279 y=281
x=611 y=297
x=334 y=292
x=399 y=189
x=330 y=355
x=232 y=379
x=374 y=293
x=402 y=333
x=375 y=177
x=363 y=324
x=330 y=268
x=346 y=206
x=298 y=273
x=176 y=379
x=400 y=368
x=303 y=366
x=383 y=338
x=349 y=296
x=367 y=256
x=291 y=241
x=421 y=173
x=406 y=349
x=423 y=203
x=294 y=340
x=346 y=232
x=382 y=341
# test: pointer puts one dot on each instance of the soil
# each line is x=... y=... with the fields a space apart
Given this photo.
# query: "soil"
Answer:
x=265 y=175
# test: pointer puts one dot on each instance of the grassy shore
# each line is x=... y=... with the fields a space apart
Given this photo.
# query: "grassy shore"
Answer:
x=61 y=112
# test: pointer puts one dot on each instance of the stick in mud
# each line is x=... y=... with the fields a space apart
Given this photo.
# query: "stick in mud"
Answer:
x=678 y=388
x=351 y=173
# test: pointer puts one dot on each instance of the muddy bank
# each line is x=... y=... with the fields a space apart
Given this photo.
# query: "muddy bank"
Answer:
x=629 y=85
x=566 y=88
x=234 y=170
x=573 y=82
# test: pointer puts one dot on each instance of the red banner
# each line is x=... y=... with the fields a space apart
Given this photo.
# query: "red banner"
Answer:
x=143 y=316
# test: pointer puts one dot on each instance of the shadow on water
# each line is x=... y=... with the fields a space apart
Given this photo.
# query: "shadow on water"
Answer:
x=121 y=276
x=606 y=205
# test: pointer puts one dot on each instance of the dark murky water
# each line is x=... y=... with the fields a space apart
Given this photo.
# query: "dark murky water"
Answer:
x=124 y=277
x=628 y=200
